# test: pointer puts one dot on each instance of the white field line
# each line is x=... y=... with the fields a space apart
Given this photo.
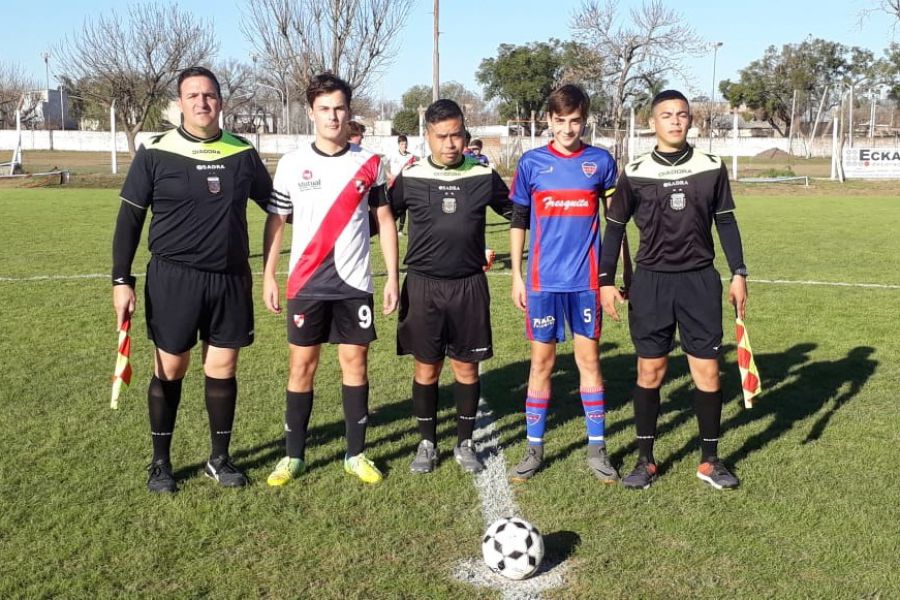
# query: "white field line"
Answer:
x=497 y=501
x=753 y=280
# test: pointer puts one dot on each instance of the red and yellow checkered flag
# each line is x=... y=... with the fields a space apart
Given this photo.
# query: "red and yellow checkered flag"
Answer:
x=750 y=383
x=122 y=375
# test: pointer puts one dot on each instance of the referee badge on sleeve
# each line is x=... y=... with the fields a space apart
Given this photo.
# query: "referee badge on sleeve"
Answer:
x=214 y=185
x=676 y=200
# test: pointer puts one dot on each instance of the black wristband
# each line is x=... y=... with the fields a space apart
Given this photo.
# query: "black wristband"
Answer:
x=128 y=280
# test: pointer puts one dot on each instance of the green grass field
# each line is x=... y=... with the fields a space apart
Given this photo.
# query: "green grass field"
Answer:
x=816 y=517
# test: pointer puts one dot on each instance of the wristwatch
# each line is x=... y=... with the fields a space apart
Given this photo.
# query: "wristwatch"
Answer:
x=742 y=271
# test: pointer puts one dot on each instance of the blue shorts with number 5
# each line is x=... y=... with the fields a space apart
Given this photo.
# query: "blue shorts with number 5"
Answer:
x=547 y=313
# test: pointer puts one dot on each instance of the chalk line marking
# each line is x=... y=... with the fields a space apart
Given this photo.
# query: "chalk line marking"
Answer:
x=497 y=501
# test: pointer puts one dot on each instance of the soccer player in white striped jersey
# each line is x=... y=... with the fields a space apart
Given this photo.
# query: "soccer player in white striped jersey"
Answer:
x=329 y=188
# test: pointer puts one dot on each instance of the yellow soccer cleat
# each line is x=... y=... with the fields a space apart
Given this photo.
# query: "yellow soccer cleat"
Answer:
x=287 y=469
x=363 y=468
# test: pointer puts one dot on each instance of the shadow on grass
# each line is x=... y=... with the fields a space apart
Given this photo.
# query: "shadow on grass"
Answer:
x=798 y=390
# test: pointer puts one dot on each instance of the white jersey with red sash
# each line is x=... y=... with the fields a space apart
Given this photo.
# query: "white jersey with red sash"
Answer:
x=328 y=197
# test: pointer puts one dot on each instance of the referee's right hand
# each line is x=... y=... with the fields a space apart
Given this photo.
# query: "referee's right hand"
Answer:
x=609 y=297
x=123 y=303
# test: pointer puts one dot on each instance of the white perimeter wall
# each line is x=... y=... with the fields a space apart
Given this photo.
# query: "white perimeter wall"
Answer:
x=99 y=141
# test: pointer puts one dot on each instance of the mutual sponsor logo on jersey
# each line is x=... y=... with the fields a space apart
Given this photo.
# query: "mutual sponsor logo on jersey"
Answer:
x=306 y=186
x=210 y=167
x=299 y=320
x=448 y=205
x=307 y=175
x=543 y=322
x=588 y=168
x=677 y=201
x=214 y=185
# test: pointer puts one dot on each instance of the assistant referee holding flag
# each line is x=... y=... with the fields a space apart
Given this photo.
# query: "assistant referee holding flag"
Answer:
x=196 y=179
x=675 y=193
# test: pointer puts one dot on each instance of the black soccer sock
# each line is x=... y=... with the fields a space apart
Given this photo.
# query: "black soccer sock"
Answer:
x=356 y=416
x=466 y=396
x=163 y=398
x=221 y=399
x=646 y=412
x=424 y=400
x=708 y=406
x=298 y=408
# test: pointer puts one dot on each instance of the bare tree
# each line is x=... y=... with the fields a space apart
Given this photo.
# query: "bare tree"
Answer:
x=354 y=39
x=239 y=91
x=649 y=45
x=16 y=93
x=889 y=7
x=134 y=59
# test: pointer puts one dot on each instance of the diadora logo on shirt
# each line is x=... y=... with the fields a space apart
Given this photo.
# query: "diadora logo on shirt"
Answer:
x=205 y=151
x=210 y=167
x=543 y=322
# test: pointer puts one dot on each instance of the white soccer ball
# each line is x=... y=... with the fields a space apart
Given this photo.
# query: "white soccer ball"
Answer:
x=512 y=547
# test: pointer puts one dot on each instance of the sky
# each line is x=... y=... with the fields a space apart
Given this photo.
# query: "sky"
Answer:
x=471 y=30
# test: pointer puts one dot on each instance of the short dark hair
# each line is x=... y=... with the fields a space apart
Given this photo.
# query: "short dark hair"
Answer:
x=443 y=110
x=668 y=95
x=567 y=99
x=356 y=128
x=402 y=138
x=198 y=72
x=477 y=143
x=327 y=83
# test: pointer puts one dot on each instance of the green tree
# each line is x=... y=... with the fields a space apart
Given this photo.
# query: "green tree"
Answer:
x=522 y=77
x=407 y=121
x=815 y=69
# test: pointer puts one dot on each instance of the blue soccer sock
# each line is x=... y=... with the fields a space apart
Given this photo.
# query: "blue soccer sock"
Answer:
x=594 y=404
x=536 y=405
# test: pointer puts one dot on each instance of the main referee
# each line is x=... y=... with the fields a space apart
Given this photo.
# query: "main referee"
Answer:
x=675 y=193
x=196 y=179
x=445 y=302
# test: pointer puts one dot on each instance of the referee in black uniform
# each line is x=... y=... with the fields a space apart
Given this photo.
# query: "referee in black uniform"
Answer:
x=196 y=180
x=675 y=193
x=445 y=303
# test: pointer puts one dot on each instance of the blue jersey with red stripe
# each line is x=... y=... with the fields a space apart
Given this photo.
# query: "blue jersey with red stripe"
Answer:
x=564 y=194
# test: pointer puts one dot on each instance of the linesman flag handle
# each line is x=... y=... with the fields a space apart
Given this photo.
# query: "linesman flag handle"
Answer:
x=122 y=375
x=750 y=382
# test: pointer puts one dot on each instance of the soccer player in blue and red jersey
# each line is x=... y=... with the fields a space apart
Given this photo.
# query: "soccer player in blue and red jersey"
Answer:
x=557 y=193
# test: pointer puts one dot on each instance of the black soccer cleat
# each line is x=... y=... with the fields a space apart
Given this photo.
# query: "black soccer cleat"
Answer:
x=161 y=479
x=717 y=475
x=224 y=472
x=641 y=477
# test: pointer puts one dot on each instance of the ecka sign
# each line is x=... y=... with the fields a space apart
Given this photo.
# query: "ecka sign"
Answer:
x=872 y=163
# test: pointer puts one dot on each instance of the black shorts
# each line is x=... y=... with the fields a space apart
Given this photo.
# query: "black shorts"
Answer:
x=445 y=317
x=691 y=299
x=314 y=321
x=182 y=301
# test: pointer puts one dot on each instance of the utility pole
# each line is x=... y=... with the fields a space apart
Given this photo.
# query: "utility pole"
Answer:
x=712 y=97
x=436 y=60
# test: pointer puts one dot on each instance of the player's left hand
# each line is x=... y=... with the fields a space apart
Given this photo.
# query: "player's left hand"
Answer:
x=489 y=256
x=391 y=297
x=737 y=295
